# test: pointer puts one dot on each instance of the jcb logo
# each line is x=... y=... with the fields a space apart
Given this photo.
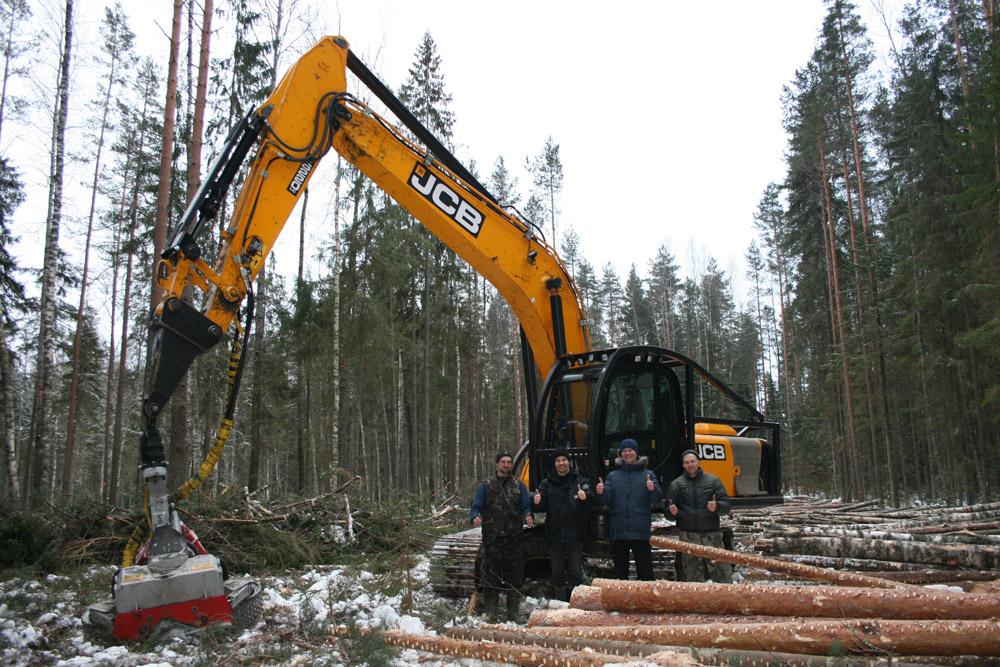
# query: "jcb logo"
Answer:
x=447 y=200
x=712 y=452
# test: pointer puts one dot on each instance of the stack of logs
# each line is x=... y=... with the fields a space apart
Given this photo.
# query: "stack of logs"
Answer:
x=869 y=610
x=874 y=621
x=917 y=545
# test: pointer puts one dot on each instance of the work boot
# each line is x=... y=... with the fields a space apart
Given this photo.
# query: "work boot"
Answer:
x=513 y=607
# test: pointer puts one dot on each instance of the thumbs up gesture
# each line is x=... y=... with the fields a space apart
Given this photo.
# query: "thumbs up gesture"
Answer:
x=712 y=505
x=600 y=486
x=580 y=493
x=672 y=507
x=538 y=497
x=649 y=482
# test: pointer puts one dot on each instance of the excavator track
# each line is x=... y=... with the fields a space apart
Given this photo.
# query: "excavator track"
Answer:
x=455 y=562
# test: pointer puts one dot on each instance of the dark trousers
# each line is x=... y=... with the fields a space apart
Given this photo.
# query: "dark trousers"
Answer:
x=566 y=560
x=642 y=553
x=502 y=567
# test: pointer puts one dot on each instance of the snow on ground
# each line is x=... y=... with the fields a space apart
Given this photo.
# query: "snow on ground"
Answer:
x=40 y=622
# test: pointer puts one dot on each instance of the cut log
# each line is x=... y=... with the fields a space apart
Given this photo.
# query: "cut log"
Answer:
x=977 y=557
x=586 y=597
x=866 y=564
x=877 y=533
x=814 y=601
x=952 y=527
x=575 y=617
x=824 y=637
x=525 y=656
x=663 y=654
x=728 y=657
x=941 y=576
x=798 y=569
x=507 y=636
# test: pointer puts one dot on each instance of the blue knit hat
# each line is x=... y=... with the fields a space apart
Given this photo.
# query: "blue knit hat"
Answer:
x=628 y=443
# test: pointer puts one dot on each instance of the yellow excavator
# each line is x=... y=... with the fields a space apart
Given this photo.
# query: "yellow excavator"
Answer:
x=589 y=399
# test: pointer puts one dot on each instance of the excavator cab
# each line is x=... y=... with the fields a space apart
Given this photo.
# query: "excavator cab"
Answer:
x=591 y=402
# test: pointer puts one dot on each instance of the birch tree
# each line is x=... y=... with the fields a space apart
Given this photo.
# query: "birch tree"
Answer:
x=45 y=360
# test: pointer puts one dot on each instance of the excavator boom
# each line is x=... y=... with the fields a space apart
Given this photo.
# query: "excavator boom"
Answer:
x=165 y=567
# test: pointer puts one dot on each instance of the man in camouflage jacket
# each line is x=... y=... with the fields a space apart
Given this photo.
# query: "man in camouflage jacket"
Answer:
x=501 y=506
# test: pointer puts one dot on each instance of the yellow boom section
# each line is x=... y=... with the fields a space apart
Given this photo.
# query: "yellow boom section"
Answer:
x=300 y=121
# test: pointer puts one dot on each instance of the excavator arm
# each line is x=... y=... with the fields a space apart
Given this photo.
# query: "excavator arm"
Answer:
x=308 y=113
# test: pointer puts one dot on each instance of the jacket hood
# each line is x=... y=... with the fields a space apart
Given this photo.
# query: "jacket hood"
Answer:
x=641 y=462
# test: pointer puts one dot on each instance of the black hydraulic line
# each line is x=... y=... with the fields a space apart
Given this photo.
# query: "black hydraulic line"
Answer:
x=689 y=396
x=425 y=136
x=558 y=326
x=213 y=189
x=530 y=386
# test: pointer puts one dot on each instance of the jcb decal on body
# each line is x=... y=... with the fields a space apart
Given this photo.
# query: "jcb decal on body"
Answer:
x=447 y=200
x=712 y=452
x=300 y=177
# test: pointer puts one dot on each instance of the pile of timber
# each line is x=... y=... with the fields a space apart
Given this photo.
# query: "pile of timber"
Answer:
x=744 y=624
x=867 y=607
x=677 y=623
x=916 y=545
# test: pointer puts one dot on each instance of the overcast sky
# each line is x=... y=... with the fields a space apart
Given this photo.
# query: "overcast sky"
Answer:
x=667 y=114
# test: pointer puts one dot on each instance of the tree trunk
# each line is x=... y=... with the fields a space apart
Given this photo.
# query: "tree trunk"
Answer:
x=753 y=560
x=257 y=391
x=300 y=354
x=335 y=343
x=179 y=451
x=38 y=487
x=870 y=261
x=109 y=384
x=166 y=155
x=116 y=451
x=853 y=461
x=7 y=410
x=825 y=637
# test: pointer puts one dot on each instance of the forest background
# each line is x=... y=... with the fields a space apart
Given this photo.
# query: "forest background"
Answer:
x=869 y=322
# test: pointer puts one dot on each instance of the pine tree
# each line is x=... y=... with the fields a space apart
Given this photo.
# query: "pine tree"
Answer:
x=547 y=176
x=664 y=285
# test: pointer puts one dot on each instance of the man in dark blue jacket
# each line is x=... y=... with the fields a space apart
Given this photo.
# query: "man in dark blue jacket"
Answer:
x=500 y=506
x=696 y=500
x=629 y=493
x=563 y=495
